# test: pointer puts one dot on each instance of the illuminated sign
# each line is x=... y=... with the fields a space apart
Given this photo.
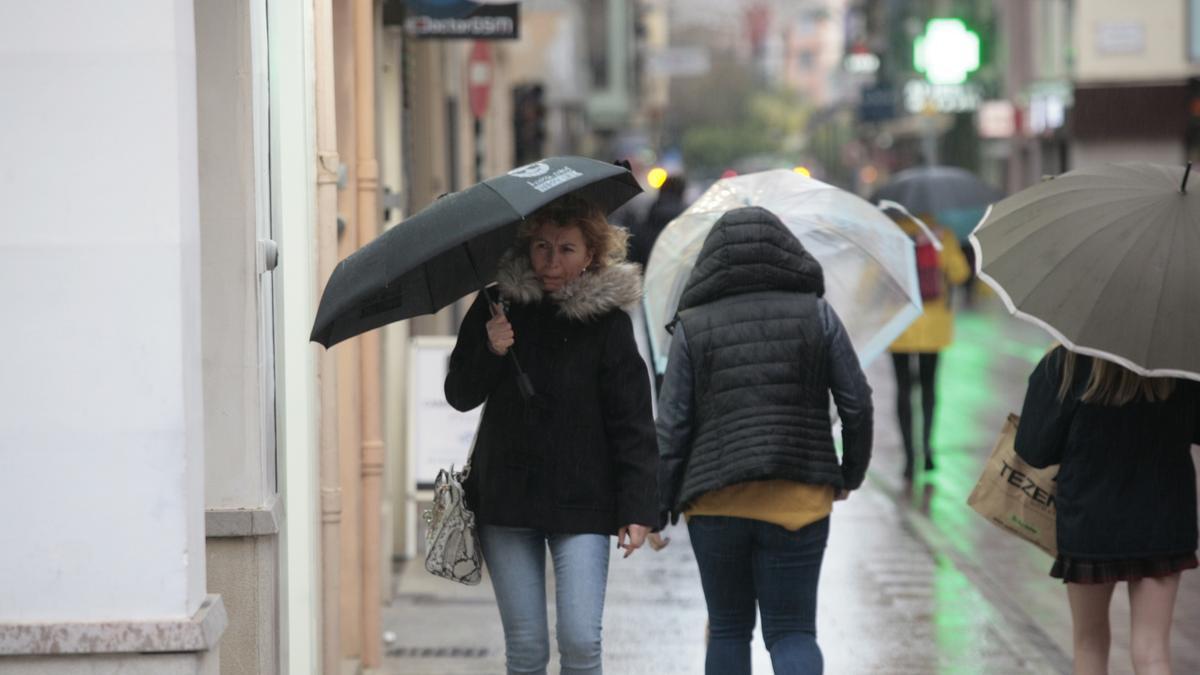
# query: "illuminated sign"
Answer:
x=921 y=96
x=861 y=63
x=947 y=52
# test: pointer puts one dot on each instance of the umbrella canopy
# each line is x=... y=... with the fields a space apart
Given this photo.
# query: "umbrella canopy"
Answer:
x=870 y=264
x=1104 y=258
x=452 y=247
x=960 y=221
x=955 y=196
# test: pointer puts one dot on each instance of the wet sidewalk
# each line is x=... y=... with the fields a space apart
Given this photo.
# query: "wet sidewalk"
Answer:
x=913 y=580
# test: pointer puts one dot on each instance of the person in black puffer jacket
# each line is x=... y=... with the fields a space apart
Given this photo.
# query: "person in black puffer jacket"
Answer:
x=1125 y=507
x=575 y=463
x=745 y=435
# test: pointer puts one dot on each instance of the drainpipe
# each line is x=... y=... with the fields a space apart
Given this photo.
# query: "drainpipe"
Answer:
x=372 y=427
x=331 y=491
x=350 y=351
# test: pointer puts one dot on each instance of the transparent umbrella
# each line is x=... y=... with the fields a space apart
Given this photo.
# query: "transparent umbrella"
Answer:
x=869 y=263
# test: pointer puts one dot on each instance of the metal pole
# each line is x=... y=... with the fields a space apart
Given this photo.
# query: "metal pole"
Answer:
x=478 y=150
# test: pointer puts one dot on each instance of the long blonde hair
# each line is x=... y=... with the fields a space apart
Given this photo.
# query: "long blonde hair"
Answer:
x=1112 y=384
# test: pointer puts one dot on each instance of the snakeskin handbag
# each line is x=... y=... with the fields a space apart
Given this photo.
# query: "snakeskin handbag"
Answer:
x=451 y=540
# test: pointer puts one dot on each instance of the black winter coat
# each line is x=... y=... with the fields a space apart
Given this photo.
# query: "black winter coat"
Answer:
x=755 y=357
x=1126 y=487
x=580 y=458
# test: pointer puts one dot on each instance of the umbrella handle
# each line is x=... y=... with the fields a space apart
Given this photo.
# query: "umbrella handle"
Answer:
x=524 y=384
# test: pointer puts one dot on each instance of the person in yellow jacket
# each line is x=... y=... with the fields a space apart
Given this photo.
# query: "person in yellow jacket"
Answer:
x=937 y=271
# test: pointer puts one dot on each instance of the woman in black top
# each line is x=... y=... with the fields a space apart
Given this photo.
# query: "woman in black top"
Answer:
x=1126 y=498
x=575 y=463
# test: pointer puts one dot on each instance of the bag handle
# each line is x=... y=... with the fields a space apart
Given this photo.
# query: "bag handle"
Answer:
x=466 y=469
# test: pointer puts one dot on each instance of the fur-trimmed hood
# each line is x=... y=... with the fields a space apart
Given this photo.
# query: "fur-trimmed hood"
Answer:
x=594 y=294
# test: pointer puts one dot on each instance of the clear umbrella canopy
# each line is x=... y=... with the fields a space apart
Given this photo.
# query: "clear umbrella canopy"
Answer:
x=869 y=263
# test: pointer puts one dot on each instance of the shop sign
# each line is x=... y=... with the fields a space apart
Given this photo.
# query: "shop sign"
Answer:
x=877 y=104
x=921 y=96
x=997 y=119
x=1120 y=37
x=462 y=19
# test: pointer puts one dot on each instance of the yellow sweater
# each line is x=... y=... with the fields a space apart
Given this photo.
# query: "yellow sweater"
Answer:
x=785 y=503
x=934 y=329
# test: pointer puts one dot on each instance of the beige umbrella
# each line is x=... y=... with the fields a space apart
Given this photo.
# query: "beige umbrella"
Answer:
x=1107 y=259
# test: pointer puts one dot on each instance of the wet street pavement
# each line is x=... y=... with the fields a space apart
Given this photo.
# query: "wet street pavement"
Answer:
x=913 y=580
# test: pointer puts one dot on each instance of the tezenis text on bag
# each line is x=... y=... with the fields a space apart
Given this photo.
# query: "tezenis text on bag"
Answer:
x=1020 y=480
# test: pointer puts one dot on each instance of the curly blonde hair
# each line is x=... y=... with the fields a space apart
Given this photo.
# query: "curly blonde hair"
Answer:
x=607 y=243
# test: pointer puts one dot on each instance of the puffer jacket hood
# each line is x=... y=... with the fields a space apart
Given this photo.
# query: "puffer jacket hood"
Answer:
x=592 y=295
x=750 y=250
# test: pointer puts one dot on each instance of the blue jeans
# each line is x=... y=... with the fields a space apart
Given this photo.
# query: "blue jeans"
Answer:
x=516 y=561
x=744 y=562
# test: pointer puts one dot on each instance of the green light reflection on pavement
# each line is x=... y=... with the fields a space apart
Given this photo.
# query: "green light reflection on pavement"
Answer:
x=988 y=357
x=986 y=366
x=965 y=400
x=953 y=620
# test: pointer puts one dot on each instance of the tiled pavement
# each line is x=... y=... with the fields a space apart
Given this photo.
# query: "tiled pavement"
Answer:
x=913 y=580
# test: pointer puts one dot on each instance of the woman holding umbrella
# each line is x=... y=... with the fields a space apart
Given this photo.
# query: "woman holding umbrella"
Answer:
x=1126 y=497
x=1103 y=258
x=574 y=463
x=925 y=338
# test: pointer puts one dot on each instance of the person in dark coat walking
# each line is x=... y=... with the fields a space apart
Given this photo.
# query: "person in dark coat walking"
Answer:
x=745 y=436
x=577 y=462
x=666 y=207
x=1126 y=494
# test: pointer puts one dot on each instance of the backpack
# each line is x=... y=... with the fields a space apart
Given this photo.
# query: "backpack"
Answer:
x=929 y=270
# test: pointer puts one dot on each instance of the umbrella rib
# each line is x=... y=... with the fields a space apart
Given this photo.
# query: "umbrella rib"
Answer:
x=870 y=254
x=1166 y=275
x=1147 y=229
x=1116 y=219
x=504 y=199
x=429 y=288
x=1101 y=199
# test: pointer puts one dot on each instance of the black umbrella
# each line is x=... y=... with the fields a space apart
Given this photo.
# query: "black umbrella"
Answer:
x=453 y=246
x=933 y=189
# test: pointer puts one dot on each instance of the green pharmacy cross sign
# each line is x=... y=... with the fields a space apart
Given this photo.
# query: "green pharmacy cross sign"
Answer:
x=947 y=52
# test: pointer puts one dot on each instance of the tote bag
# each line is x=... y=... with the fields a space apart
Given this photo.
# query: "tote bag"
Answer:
x=1016 y=496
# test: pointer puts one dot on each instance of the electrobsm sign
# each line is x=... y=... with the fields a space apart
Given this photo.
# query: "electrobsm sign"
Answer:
x=454 y=19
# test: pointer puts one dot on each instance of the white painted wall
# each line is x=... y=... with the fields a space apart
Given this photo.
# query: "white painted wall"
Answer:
x=1108 y=49
x=101 y=408
x=293 y=176
x=231 y=75
x=395 y=336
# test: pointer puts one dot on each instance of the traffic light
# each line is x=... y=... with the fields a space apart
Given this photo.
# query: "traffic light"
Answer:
x=529 y=123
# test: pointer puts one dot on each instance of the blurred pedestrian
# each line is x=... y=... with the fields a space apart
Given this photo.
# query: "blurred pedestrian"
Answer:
x=926 y=337
x=666 y=207
x=1126 y=495
x=746 y=441
x=576 y=462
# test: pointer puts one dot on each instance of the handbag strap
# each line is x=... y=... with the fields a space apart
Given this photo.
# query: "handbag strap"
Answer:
x=466 y=469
